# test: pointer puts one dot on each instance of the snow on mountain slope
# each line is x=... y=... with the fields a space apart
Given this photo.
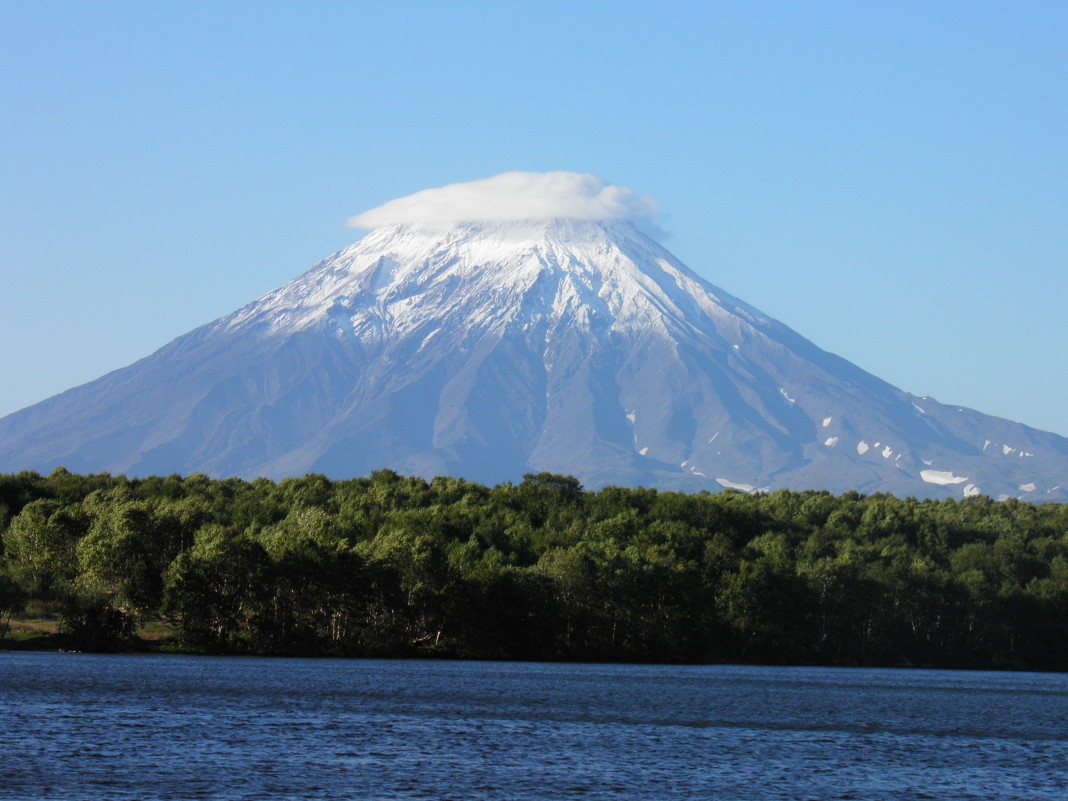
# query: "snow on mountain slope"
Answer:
x=492 y=349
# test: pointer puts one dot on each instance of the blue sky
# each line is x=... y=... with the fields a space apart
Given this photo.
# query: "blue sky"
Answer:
x=889 y=179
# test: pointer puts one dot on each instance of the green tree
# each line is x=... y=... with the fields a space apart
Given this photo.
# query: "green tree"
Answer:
x=216 y=591
x=12 y=598
x=129 y=546
x=40 y=546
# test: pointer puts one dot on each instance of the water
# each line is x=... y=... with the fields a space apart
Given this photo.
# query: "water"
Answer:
x=170 y=727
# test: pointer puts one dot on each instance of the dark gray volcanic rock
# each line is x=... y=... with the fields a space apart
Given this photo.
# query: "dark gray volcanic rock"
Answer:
x=493 y=349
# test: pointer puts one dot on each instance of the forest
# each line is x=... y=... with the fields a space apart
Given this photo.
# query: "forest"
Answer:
x=394 y=566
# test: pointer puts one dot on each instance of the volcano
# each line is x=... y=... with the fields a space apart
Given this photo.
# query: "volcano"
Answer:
x=492 y=348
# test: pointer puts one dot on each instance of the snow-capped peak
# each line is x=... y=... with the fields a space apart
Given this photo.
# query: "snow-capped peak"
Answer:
x=401 y=274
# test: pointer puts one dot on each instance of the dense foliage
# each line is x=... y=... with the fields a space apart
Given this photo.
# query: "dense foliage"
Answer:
x=394 y=566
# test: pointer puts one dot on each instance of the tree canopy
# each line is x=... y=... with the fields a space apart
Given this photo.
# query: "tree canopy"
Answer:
x=397 y=566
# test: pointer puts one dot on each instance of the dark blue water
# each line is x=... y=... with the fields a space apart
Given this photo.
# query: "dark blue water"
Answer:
x=154 y=727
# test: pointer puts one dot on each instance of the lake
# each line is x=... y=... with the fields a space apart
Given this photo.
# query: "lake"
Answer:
x=76 y=726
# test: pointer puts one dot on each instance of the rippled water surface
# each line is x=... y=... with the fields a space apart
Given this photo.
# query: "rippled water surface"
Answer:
x=154 y=727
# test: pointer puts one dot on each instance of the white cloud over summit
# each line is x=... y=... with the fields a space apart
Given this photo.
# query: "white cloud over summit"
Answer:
x=514 y=196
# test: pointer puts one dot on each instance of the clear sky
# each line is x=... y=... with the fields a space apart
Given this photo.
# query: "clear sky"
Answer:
x=889 y=179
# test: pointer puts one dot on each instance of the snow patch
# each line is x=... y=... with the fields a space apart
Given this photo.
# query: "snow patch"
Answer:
x=1006 y=450
x=789 y=400
x=887 y=452
x=1028 y=487
x=631 y=415
x=827 y=421
x=735 y=485
x=830 y=442
x=970 y=491
x=428 y=337
x=643 y=451
x=942 y=477
x=862 y=447
x=917 y=408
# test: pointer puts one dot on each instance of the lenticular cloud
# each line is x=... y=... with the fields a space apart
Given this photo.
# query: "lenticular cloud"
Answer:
x=514 y=196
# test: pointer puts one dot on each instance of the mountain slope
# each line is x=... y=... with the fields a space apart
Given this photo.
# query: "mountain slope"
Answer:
x=491 y=349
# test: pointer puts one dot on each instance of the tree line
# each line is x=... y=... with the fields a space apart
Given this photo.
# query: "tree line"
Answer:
x=541 y=570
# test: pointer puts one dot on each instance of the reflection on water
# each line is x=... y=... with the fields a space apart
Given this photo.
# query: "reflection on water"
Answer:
x=171 y=727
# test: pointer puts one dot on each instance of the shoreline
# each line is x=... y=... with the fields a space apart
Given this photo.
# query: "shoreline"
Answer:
x=56 y=643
